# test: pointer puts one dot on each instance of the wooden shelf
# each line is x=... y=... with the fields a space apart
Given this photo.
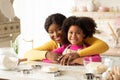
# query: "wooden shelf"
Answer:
x=98 y=15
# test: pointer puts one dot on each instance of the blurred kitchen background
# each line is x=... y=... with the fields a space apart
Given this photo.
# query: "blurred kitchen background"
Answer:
x=32 y=15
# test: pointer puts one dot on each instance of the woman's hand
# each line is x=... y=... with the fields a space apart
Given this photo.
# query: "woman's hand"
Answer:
x=22 y=60
x=67 y=59
x=53 y=57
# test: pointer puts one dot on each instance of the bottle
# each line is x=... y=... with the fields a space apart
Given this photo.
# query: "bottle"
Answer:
x=90 y=6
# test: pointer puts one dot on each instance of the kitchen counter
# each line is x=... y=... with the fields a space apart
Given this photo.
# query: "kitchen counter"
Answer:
x=112 y=52
x=67 y=72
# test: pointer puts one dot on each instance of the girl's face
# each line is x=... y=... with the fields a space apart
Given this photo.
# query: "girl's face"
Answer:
x=55 y=33
x=75 y=35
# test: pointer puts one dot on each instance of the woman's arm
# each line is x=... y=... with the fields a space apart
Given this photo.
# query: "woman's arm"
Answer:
x=35 y=55
x=40 y=52
x=48 y=46
x=97 y=46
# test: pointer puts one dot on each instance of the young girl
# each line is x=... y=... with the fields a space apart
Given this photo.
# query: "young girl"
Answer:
x=77 y=29
x=53 y=25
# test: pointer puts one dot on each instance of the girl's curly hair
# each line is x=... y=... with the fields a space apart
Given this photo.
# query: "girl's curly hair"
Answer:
x=87 y=24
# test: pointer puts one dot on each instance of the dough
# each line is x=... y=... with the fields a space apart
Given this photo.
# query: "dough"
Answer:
x=96 y=67
x=49 y=69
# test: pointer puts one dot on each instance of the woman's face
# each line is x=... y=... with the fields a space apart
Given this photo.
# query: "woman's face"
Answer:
x=55 y=33
x=75 y=35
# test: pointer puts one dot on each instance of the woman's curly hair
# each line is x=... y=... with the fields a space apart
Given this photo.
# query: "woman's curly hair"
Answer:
x=87 y=24
x=56 y=18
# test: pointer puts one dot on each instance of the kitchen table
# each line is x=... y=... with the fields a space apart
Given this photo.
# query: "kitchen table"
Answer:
x=67 y=72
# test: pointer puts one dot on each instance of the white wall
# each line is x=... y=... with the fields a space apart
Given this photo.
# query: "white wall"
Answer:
x=32 y=14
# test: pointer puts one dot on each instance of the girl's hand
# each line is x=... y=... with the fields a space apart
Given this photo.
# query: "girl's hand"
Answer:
x=68 y=58
x=78 y=61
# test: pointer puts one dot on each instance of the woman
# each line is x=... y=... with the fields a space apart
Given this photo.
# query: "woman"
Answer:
x=53 y=26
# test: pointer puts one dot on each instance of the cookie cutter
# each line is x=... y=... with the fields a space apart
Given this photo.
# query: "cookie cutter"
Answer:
x=25 y=71
x=36 y=66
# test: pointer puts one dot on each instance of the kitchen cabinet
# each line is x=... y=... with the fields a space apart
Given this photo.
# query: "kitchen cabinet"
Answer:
x=112 y=52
